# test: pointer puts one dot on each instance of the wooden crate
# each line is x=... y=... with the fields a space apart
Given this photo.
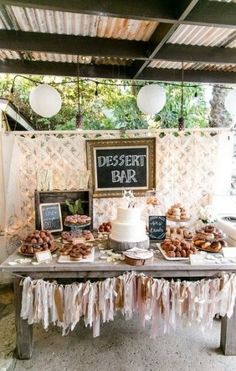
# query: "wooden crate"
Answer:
x=42 y=197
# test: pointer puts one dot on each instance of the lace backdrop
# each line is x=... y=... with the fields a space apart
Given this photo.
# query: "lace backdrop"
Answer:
x=188 y=165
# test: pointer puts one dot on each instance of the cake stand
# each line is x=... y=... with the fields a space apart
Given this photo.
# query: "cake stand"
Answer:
x=126 y=245
x=179 y=223
x=76 y=227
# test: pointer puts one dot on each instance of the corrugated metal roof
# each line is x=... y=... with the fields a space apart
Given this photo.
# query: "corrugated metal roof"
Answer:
x=54 y=57
x=201 y=35
x=224 y=1
x=169 y=65
x=7 y=54
x=193 y=66
x=112 y=61
x=232 y=44
x=49 y=21
x=2 y=26
x=64 y=58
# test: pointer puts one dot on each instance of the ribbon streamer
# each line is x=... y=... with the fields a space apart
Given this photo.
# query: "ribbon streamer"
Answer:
x=158 y=301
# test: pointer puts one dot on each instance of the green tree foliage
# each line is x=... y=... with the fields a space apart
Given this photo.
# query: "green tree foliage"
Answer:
x=114 y=106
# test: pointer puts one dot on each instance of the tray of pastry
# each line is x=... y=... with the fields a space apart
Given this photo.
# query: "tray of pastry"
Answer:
x=78 y=236
x=180 y=233
x=22 y=250
x=177 y=249
x=209 y=239
x=177 y=213
x=77 y=253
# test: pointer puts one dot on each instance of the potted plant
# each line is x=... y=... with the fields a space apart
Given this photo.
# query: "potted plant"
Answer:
x=75 y=207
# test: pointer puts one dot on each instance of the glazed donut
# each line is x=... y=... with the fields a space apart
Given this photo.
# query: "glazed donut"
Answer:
x=199 y=243
x=209 y=228
x=206 y=245
x=215 y=245
x=188 y=235
x=223 y=243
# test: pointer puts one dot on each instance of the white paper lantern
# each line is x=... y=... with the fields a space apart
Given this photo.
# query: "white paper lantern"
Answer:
x=45 y=100
x=151 y=99
x=230 y=102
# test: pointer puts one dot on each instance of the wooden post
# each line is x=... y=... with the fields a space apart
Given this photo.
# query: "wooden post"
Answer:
x=24 y=332
x=228 y=334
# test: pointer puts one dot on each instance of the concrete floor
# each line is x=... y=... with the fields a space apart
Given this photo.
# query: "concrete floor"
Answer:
x=122 y=346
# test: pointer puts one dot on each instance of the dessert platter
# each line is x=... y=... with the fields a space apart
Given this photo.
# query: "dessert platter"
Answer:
x=84 y=235
x=174 y=249
x=128 y=230
x=179 y=233
x=76 y=252
x=177 y=213
x=209 y=239
x=37 y=241
x=77 y=222
x=151 y=198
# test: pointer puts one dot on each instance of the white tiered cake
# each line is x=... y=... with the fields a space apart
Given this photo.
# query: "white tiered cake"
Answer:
x=128 y=226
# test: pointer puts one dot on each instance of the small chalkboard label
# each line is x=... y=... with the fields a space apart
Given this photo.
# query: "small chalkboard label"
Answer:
x=157 y=228
x=50 y=215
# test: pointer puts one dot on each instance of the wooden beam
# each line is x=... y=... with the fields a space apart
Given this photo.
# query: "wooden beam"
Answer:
x=189 y=53
x=70 y=44
x=163 y=32
x=198 y=76
x=64 y=69
x=113 y=72
x=162 y=10
x=213 y=13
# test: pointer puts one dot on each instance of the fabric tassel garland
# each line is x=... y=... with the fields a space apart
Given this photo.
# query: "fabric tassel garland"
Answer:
x=158 y=301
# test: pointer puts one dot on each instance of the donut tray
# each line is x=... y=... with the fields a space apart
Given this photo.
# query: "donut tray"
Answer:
x=62 y=259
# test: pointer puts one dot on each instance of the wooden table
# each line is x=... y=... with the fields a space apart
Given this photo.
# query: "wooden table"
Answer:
x=100 y=269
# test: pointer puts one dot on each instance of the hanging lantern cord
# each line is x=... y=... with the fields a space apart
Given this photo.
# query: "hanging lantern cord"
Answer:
x=181 y=119
x=79 y=113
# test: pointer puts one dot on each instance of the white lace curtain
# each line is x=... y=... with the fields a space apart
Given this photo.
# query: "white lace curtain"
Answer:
x=187 y=165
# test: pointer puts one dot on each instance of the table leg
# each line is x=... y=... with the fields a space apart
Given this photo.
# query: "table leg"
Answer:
x=228 y=334
x=24 y=332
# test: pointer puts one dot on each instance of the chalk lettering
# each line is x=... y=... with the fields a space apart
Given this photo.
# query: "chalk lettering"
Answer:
x=127 y=160
x=124 y=176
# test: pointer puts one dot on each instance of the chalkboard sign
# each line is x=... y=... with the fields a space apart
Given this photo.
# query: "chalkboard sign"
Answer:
x=122 y=164
x=157 y=228
x=50 y=215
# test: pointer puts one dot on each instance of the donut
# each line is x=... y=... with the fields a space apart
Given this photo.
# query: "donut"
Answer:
x=199 y=243
x=215 y=245
x=206 y=245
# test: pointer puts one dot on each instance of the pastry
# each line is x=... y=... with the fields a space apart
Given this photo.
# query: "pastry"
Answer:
x=76 y=251
x=209 y=238
x=37 y=241
x=77 y=219
x=105 y=227
x=216 y=246
x=70 y=236
x=176 y=248
x=205 y=245
x=177 y=212
x=178 y=233
x=66 y=249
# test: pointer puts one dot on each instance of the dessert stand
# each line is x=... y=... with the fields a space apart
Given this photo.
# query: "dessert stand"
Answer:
x=76 y=227
x=126 y=245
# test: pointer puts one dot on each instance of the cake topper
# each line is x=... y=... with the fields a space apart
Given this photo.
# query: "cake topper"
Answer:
x=129 y=197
